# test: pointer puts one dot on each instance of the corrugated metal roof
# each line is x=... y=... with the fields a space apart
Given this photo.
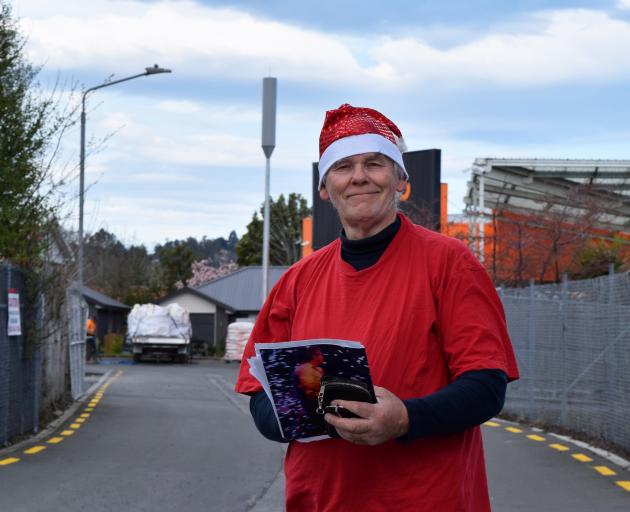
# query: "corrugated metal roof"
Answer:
x=101 y=299
x=241 y=290
x=575 y=188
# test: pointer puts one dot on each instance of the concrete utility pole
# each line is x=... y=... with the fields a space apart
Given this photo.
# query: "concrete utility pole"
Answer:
x=270 y=88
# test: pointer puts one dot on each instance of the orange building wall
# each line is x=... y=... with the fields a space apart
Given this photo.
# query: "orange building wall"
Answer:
x=307 y=236
x=517 y=250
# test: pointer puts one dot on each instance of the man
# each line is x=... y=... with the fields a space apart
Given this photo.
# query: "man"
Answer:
x=433 y=328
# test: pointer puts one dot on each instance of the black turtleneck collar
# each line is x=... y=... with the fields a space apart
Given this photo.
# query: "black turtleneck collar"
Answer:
x=364 y=253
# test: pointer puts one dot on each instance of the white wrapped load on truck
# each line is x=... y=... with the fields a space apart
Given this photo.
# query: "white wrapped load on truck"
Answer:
x=156 y=331
x=237 y=336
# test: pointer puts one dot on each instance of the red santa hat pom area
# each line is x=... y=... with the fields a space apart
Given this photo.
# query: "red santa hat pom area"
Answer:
x=351 y=131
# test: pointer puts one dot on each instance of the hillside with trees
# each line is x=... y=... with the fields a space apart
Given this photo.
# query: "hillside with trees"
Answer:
x=132 y=274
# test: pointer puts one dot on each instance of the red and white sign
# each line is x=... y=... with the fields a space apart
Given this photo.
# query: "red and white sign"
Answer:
x=15 y=323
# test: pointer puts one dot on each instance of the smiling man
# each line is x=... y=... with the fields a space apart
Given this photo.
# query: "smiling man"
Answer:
x=432 y=325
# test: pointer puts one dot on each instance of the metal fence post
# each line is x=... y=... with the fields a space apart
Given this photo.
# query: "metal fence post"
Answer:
x=4 y=359
x=37 y=362
x=611 y=360
x=563 y=349
x=531 y=351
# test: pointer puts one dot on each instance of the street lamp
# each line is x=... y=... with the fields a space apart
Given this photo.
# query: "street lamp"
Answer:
x=153 y=70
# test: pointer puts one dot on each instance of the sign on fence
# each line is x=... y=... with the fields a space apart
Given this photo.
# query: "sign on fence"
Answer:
x=14 y=324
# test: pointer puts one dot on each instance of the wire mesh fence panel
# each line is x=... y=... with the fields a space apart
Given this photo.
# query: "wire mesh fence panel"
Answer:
x=77 y=320
x=572 y=342
x=19 y=366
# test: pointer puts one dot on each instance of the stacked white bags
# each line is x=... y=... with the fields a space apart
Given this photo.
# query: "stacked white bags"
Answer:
x=150 y=320
x=237 y=336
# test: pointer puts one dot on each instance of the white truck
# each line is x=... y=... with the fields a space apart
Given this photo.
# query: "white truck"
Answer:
x=159 y=331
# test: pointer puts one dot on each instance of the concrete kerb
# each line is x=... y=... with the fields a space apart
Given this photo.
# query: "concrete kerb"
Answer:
x=56 y=423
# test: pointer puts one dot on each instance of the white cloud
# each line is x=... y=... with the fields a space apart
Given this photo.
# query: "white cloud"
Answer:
x=547 y=47
x=155 y=220
x=179 y=106
x=569 y=45
x=207 y=150
x=191 y=38
x=623 y=4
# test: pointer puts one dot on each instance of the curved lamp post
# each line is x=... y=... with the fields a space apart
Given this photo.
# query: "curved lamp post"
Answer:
x=154 y=70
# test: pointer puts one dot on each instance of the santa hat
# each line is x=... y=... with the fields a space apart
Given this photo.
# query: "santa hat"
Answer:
x=349 y=131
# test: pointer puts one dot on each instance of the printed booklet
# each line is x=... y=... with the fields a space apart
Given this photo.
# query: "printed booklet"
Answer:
x=290 y=373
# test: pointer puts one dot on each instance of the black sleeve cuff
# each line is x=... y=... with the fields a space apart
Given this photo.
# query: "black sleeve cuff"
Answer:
x=264 y=417
x=471 y=399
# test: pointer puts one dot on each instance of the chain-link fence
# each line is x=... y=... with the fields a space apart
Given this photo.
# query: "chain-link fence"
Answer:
x=572 y=342
x=77 y=316
x=19 y=365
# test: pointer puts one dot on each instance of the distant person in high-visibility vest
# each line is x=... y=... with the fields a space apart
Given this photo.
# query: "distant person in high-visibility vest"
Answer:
x=91 y=343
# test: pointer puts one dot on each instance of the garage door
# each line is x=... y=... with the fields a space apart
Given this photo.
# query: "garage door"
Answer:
x=202 y=328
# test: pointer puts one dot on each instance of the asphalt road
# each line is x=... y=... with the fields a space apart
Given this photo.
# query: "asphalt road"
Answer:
x=165 y=437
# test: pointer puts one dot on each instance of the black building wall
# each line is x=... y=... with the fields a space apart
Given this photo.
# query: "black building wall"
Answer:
x=421 y=202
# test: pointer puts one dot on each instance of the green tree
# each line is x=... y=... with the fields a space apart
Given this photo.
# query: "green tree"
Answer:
x=126 y=273
x=216 y=251
x=176 y=263
x=31 y=126
x=285 y=232
x=596 y=258
x=249 y=248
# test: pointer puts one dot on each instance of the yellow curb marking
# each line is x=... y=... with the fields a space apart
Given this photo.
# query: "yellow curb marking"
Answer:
x=80 y=420
x=624 y=484
x=67 y=432
x=492 y=424
x=581 y=457
x=604 y=470
x=75 y=425
x=55 y=440
x=514 y=430
x=10 y=460
x=34 y=450
x=559 y=447
x=85 y=415
x=89 y=409
x=534 y=437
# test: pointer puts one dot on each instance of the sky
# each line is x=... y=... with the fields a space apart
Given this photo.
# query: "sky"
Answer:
x=178 y=155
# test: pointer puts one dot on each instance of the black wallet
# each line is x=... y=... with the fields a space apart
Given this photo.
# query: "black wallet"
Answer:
x=338 y=388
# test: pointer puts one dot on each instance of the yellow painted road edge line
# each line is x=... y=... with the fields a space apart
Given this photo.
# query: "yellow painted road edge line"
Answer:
x=76 y=424
x=35 y=449
x=581 y=457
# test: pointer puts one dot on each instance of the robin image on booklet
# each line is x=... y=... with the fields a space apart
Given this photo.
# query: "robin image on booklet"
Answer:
x=433 y=329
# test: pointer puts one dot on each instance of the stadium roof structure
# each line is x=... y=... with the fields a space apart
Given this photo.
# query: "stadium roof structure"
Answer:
x=570 y=187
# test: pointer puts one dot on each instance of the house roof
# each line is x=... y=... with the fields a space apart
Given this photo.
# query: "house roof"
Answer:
x=101 y=299
x=241 y=290
x=196 y=293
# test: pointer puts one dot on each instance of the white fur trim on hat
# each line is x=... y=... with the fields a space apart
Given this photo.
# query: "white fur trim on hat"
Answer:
x=356 y=145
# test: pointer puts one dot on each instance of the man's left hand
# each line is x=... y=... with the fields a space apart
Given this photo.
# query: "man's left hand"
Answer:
x=379 y=422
